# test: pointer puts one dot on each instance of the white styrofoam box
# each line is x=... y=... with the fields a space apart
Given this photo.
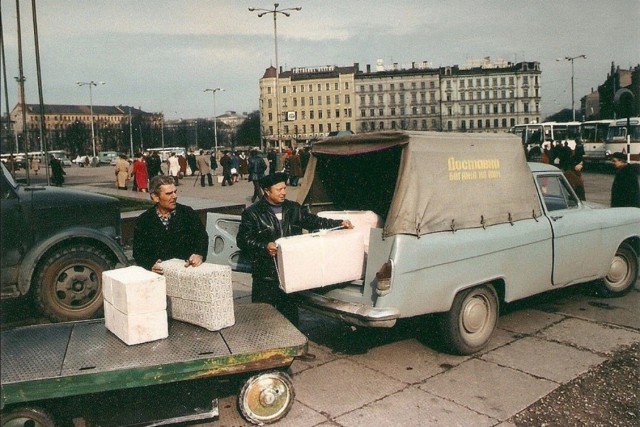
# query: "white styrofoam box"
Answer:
x=319 y=259
x=200 y=295
x=136 y=328
x=362 y=221
x=134 y=290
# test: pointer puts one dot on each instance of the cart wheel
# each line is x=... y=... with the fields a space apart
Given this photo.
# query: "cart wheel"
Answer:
x=266 y=398
x=27 y=417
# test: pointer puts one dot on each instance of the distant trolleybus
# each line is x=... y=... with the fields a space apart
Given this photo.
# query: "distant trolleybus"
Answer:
x=593 y=135
x=617 y=138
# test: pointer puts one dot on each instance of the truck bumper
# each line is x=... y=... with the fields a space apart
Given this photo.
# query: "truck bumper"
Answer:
x=348 y=312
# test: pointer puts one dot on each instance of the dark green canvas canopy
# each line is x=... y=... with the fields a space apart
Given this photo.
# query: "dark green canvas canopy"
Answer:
x=423 y=182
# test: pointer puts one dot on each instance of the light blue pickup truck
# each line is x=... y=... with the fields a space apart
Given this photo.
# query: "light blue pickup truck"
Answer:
x=468 y=224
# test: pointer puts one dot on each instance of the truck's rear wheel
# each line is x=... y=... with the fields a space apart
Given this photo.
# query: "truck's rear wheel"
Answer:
x=468 y=326
x=22 y=417
x=68 y=284
x=266 y=398
x=622 y=274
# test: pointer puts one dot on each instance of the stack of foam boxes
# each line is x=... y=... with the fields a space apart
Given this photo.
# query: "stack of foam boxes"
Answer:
x=319 y=259
x=135 y=304
x=200 y=295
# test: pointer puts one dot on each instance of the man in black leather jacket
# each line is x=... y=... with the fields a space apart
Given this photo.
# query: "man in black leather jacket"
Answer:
x=262 y=223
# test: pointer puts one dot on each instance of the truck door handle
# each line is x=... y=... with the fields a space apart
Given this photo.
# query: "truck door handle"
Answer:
x=556 y=217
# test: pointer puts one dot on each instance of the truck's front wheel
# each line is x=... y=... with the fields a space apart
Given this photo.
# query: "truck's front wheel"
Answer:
x=68 y=284
x=468 y=326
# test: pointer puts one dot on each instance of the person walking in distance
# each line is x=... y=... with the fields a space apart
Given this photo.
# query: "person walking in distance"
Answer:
x=122 y=171
x=204 y=167
x=226 y=164
x=256 y=168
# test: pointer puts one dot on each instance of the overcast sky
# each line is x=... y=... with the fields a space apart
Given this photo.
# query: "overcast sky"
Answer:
x=160 y=55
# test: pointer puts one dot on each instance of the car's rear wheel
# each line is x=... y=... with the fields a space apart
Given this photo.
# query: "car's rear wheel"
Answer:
x=68 y=284
x=469 y=325
x=622 y=274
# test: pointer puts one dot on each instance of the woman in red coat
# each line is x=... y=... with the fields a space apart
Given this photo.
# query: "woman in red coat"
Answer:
x=140 y=174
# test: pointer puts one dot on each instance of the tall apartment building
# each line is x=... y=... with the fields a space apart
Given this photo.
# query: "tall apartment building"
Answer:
x=314 y=101
x=479 y=96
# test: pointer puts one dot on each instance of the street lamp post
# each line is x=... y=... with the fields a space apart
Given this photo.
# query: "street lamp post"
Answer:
x=274 y=12
x=215 y=118
x=572 y=58
x=91 y=84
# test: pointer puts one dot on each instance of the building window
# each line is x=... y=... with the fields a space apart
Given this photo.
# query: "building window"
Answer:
x=337 y=99
x=302 y=101
x=380 y=87
x=424 y=124
x=320 y=128
x=337 y=113
x=311 y=115
x=363 y=113
x=371 y=112
x=319 y=100
x=393 y=86
x=370 y=88
x=496 y=123
x=346 y=85
x=347 y=99
x=319 y=114
x=269 y=103
x=329 y=99
x=381 y=125
x=311 y=100
x=270 y=117
x=381 y=112
x=269 y=90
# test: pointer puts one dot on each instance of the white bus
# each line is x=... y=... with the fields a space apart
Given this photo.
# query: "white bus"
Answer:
x=617 y=138
x=561 y=131
x=593 y=135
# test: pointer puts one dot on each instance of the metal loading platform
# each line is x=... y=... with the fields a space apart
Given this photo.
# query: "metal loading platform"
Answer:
x=44 y=362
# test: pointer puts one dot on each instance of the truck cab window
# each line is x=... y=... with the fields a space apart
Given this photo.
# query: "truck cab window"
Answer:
x=555 y=193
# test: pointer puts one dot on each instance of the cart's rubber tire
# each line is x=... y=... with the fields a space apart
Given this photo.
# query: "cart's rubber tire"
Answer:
x=27 y=417
x=67 y=285
x=266 y=398
x=622 y=274
x=469 y=325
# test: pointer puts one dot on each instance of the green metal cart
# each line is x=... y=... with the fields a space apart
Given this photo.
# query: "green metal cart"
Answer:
x=48 y=363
